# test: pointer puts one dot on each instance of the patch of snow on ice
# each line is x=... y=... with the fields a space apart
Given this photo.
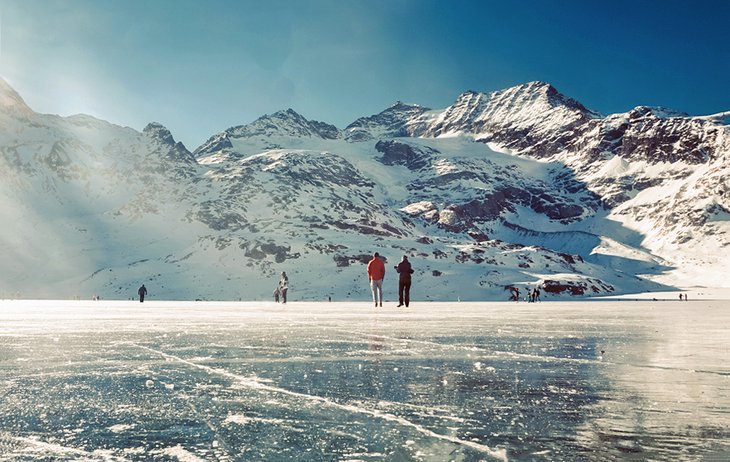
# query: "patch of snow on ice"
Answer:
x=238 y=419
x=120 y=428
x=181 y=454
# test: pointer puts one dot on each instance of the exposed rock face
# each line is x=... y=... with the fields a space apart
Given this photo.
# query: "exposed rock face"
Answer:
x=587 y=287
x=395 y=153
x=175 y=151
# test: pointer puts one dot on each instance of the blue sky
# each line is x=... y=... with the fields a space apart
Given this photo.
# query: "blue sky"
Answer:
x=199 y=67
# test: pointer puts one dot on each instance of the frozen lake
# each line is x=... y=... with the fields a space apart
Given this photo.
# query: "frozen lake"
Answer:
x=192 y=381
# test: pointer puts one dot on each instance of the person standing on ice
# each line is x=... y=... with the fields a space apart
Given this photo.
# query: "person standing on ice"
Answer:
x=376 y=273
x=142 y=291
x=404 y=281
x=283 y=286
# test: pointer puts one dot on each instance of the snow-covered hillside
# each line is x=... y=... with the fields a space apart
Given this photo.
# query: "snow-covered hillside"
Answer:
x=521 y=187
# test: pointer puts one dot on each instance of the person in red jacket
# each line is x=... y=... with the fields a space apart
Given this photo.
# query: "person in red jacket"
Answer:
x=376 y=273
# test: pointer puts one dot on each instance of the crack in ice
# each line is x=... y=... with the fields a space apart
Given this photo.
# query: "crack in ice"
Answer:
x=59 y=449
x=498 y=454
x=502 y=353
x=207 y=422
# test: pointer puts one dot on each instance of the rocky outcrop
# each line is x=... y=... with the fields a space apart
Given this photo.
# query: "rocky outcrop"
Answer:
x=397 y=153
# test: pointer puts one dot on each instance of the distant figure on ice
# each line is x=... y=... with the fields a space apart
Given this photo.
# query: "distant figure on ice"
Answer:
x=142 y=291
x=681 y=297
x=404 y=281
x=515 y=293
x=276 y=294
x=534 y=295
x=376 y=273
x=283 y=286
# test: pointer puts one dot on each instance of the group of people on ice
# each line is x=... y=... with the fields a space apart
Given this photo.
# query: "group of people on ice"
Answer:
x=531 y=295
x=376 y=274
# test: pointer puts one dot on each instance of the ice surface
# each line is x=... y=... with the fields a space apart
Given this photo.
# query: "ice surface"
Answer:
x=601 y=380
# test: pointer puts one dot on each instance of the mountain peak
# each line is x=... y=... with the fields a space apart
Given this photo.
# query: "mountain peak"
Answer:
x=546 y=93
x=538 y=85
x=535 y=86
x=401 y=106
x=287 y=122
x=285 y=114
x=175 y=150
x=159 y=132
x=393 y=122
x=10 y=100
x=533 y=108
x=283 y=123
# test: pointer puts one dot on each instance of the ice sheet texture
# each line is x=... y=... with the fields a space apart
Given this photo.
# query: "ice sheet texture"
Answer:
x=347 y=382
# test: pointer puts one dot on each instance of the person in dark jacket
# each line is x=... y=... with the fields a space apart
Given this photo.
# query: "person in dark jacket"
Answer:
x=404 y=281
x=142 y=292
x=283 y=286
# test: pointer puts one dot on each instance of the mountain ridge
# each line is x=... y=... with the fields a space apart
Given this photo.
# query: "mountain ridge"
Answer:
x=515 y=188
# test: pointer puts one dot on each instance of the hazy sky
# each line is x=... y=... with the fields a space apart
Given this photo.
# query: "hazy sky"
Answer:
x=199 y=67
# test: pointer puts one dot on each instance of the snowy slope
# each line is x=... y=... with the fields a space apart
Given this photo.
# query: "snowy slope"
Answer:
x=82 y=197
x=521 y=187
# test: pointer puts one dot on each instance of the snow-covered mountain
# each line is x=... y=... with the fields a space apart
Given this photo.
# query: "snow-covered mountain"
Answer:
x=515 y=188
